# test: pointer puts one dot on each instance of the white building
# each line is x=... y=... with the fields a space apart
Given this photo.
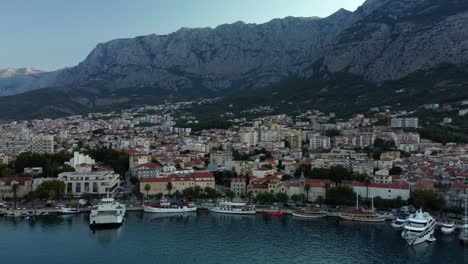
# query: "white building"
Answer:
x=384 y=191
x=319 y=142
x=405 y=122
x=79 y=159
x=42 y=144
x=95 y=182
x=249 y=138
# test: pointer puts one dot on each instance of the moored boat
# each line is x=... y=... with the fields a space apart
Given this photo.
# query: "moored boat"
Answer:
x=233 y=208
x=311 y=214
x=448 y=227
x=400 y=222
x=419 y=229
x=67 y=211
x=463 y=236
x=277 y=213
x=108 y=213
x=361 y=215
x=167 y=207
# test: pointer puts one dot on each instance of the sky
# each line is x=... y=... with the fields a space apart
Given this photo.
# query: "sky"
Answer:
x=52 y=34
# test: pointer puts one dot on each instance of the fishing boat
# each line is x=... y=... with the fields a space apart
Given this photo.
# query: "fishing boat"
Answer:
x=400 y=222
x=361 y=215
x=463 y=236
x=277 y=213
x=419 y=229
x=448 y=227
x=108 y=213
x=168 y=207
x=233 y=208
x=310 y=214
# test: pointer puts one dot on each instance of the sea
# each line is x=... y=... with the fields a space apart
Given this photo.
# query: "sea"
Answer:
x=215 y=238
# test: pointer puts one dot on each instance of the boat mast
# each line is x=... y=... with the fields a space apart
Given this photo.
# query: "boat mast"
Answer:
x=357 y=201
x=372 y=203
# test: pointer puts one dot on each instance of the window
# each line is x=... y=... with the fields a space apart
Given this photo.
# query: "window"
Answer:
x=78 y=187
x=69 y=187
x=95 y=187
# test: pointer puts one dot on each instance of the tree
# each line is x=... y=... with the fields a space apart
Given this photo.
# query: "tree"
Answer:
x=14 y=188
x=134 y=180
x=87 y=196
x=169 y=188
x=395 y=170
x=282 y=198
x=147 y=189
x=51 y=189
x=427 y=199
x=295 y=198
x=320 y=200
x=307 y=189
x=340 y=195
x=332 y=133
x=230 y=194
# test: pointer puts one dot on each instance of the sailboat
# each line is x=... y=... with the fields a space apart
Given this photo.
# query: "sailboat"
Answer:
x=463 y=236
x=361 y=215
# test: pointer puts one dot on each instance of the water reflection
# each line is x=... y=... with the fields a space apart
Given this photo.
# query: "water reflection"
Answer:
x=106 y=236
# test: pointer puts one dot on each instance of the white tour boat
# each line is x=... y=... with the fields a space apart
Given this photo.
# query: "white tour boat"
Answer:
x=310 y=214
x=448 y=227
x=167 y=207
x=107 y=213
x=234 y=208
x=400 y=221
x=463 y=236
x=419 y=229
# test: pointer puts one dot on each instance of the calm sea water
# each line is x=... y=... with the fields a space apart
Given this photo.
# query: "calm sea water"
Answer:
x=210 y=238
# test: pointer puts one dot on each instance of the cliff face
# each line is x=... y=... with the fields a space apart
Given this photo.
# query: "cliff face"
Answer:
x=382 y=40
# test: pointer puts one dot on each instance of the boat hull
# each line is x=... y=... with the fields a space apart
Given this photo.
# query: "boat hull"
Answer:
x=221 y=211
x=398 y=226
x=309 y=216
x=279 y=214
x=150 y=209
x=447 y=230
x=105 y=225
x=362 y=219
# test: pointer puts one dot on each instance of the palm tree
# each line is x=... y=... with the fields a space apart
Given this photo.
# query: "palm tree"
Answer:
x=147 y=189
x=307 y=189
x=169 y=188
x=367 y=183
x=320 y=200
x=14 y=188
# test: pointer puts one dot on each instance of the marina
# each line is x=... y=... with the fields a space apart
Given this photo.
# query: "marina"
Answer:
x=210 y=238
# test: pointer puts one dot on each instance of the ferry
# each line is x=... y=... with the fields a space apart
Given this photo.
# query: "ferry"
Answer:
x=311 y=214
x=233 y=208
x=400 y=222
x=68 y=211
x=448 y=227
x=420 y=228
x=167 y=207
x=361 y=215
x=107 y=213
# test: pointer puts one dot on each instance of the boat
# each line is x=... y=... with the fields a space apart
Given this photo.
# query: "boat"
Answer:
x=108 y=213
x=463 y=236
x=233 y=208
x=448 y=227
x=68 y=211
x=277 y=213
x=419 y=229
x=431 y=239
x=167 y=207
x=400 y=222
x=361 y=215
x=309 y=214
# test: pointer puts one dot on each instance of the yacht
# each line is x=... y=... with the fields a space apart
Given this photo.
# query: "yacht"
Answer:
x=400 y=221
x=167 y=207
x=233 y=208
x=108 y=212
x=419 y=229
x=448 y=227
x=463 y=236
x=361 y=215
x=309 y=214
x=67 y=211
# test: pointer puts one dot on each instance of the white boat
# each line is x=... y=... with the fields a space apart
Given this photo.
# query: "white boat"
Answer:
x=361 y=215
x=167 y=207
x=68 y=211
x=107 y=213
x=448 y=227
x=419 y=229
x=309 y=214
x=233 y=208
x=400 y=221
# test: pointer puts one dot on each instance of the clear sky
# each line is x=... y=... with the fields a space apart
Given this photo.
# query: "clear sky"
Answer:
x=52 y=34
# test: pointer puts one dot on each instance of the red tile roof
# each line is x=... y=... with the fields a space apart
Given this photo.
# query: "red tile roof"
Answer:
x=403 y=186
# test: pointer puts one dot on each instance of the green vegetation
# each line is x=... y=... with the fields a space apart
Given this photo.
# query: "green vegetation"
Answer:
x=52 y=164
x=6 y=171
x=442 y=135
x=115 y=159
x=427 y=199
x=340 y=195
x=50 y=190
x=337 y=174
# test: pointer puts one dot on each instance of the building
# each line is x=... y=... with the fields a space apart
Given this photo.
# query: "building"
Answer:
x=295 y=140
x=24 y=186
x=249 y=138
x=79 y=158
x=319 y=142
x=136 y=159
x=404 y=122
x=33 y=171
x=317 y=188
x=262 y=172
x=220 y=157
x=239 y=186
x=100 y=182
x=42 y=144
x=178 y=183
x=38 y=181
x=147 y=170
x=366 y=139
x=384 y=191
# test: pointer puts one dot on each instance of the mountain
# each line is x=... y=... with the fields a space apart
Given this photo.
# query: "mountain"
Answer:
x=19 y=80
x=382 y=41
